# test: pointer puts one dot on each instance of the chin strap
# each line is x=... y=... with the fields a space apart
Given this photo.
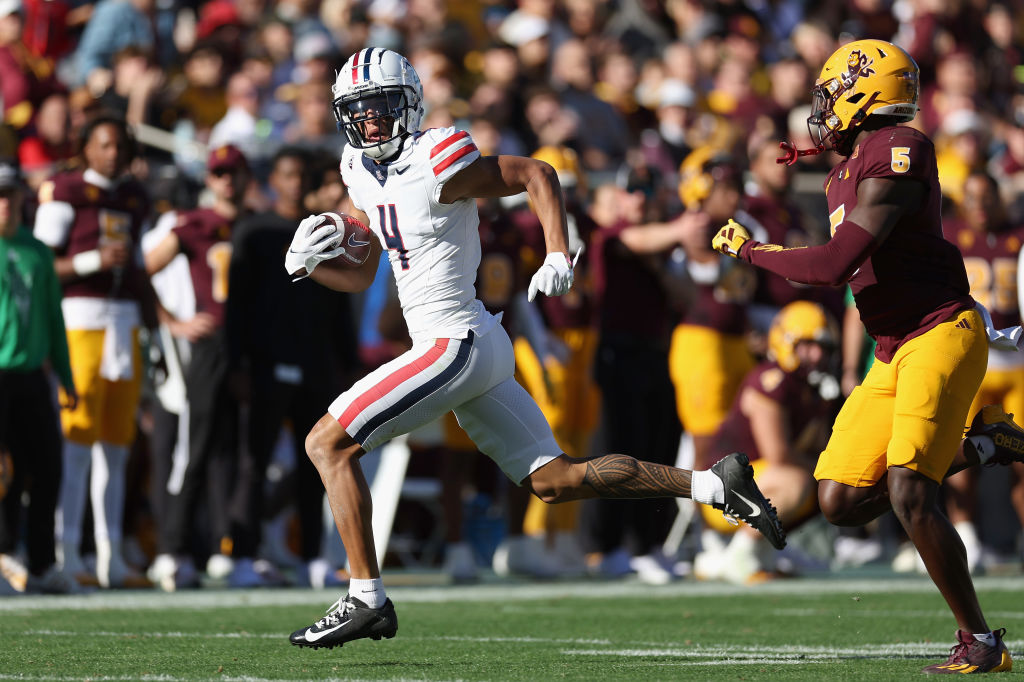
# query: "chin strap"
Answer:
x=792 y=153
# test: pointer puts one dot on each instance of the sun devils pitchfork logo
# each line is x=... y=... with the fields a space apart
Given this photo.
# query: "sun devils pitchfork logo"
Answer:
x=857 y=64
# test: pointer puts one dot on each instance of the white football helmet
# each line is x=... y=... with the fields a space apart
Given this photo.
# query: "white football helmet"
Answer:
x=378 y=101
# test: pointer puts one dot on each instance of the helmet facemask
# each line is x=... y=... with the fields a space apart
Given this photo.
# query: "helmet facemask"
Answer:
x=375 y=120
x=825 y=126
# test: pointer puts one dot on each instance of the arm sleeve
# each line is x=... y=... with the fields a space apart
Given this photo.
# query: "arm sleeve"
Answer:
x=832 y=263
x=59 y=357
x=53 y=223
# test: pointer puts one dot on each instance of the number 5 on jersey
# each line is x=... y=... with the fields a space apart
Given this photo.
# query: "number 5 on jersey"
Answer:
x=392 y=237
x=900 y=159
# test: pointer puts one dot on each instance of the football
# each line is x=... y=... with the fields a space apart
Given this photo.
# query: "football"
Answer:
x=354 y=236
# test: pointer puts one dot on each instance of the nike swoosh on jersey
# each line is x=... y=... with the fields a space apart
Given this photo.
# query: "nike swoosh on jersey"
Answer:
x=754 y=509
x=399 y=171
x=314 y=636
x=355 y=243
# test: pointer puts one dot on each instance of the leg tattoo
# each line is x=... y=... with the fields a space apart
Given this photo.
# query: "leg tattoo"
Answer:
x=620 y=476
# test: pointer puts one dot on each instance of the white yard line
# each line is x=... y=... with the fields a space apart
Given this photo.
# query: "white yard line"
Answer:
x=218 y=599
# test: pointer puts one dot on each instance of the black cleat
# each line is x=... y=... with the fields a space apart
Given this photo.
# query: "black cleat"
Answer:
x=1007 y=437
x=346 y=620
x=744 y=500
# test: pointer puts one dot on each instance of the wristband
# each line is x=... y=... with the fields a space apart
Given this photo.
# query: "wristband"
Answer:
x=86 y=263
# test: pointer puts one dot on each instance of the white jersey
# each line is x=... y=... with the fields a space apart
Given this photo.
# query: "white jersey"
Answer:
x=433 y=248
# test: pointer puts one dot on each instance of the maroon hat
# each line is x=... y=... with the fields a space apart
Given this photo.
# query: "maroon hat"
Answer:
x=215 y=15
x=227 y=157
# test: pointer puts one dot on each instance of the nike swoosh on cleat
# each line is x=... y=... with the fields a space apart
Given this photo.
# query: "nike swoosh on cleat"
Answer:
x=355 y=243
x=314 y=636
x=754 y=509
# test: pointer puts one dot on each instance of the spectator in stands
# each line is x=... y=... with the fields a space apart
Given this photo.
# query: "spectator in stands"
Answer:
x=115 y=24
x=25 y=80
x=32 y=333
x=93 y=218
x=239 y=126
x=313 y=125
x=603 y=139
x=197 y=95
x=136 y=81
x=50 y=141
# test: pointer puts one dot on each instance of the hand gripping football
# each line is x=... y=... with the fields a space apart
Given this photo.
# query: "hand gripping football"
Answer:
x=356 y=239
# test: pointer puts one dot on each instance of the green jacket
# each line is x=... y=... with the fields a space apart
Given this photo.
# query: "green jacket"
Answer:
x=31 y=321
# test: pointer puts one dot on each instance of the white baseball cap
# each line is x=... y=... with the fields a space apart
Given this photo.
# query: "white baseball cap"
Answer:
x=9 y=7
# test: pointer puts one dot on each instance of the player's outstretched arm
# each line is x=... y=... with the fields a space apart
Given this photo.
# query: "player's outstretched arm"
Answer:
x=502 y=176
x=881 y=202
x=499 y=176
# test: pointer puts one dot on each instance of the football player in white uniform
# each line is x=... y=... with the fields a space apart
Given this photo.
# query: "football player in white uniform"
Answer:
x=416 y=191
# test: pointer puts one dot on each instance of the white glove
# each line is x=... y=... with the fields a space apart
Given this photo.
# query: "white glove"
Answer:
x=313 y=243
x=554 y=278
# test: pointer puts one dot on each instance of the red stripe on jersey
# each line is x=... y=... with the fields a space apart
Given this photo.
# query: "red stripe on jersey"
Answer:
x=439 y=168
x=392 y=381
x=444 y=144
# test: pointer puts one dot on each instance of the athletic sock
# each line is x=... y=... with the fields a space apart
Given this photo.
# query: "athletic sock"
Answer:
x=988 y=638
x=984 y=446
x=107 y=487
x=73 y=487
x=706 y=487
x=370 y=592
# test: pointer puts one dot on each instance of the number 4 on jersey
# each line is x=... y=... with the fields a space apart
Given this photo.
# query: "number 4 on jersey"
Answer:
x=392 y=237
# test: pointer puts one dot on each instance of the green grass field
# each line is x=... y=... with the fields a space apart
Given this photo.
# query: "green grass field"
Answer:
x=806 y=629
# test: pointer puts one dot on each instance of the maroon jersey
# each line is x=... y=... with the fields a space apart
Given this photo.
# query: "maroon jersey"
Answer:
x=781 y=221
x=915 y=279
x=790 y=389
x=101 y=217
x=499 y=276
x=576 y=308
x=722 y=304
x=205 y=239
x=632 y=302
x=990 y=259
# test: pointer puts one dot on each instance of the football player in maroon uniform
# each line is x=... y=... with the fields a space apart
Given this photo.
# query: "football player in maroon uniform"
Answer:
x=92 y=218
x=204 y=236
x=899 y=433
